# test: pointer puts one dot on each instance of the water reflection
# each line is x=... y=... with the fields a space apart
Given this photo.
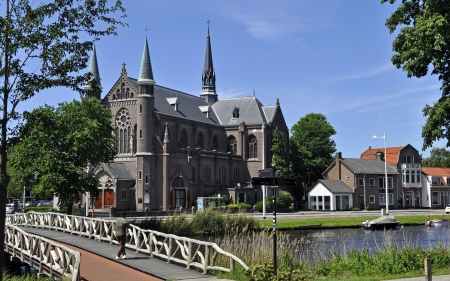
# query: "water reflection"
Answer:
x=318 y=244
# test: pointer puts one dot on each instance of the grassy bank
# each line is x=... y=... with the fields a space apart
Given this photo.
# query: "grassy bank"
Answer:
x=342 y=222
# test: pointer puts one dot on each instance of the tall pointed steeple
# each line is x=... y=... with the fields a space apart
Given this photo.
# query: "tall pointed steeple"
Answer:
x=209 y=75
x=146 y=73
x=93 y=69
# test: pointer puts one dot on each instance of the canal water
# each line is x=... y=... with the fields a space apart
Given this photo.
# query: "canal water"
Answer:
x=316 y=244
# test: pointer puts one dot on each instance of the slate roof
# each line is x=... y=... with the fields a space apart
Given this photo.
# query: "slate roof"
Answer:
x=269 y=112
x=367 y=166
x=120 y=171
x=391 y=152
x=336 y=186
x=250 y=111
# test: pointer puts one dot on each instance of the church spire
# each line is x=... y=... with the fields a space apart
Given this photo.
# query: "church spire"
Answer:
x=209 y=75
x=93 y=69
x=146 y=73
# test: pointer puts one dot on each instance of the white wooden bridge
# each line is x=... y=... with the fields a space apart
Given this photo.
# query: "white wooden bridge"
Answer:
x=52 y=259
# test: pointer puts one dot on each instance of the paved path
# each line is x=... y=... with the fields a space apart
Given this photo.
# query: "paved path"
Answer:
x=435 y=278
x=98 y=261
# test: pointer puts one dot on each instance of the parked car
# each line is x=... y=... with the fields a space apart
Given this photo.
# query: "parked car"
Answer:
x=447 y=209
x=45 y=203
x=10 y=208
x=30 y=203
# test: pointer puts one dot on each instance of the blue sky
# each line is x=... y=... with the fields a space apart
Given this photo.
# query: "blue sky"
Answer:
x=331 y=57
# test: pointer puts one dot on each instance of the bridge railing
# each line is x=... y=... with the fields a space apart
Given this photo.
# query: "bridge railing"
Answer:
x=171 y=248
x=46 y=256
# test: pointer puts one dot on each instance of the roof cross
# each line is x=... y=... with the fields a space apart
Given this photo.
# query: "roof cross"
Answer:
x=208 y=21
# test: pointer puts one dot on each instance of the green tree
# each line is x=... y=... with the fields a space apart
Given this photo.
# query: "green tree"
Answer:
x=77 y=134
x=311 y=148
x=44 y=45
x=279 y=156
x=423 y=41
x=439 y=157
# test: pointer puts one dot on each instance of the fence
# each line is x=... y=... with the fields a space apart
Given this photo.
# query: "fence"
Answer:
x=46 y=256
x=171 y=248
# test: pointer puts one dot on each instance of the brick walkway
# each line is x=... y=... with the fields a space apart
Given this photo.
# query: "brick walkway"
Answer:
x=98 y=261
x=94 y=267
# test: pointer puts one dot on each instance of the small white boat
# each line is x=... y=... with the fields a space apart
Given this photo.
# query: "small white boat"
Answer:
x=436 y=223
x=384 y=222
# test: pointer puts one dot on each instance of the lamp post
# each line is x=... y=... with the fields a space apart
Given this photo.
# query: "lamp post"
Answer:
x=385 y=171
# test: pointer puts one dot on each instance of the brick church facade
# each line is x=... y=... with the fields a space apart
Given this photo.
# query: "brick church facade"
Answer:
x=173 y=147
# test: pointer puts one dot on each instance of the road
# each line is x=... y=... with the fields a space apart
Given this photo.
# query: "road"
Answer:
x=324 y=214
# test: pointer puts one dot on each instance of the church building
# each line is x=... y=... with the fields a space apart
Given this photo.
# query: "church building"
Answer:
x=173 y=147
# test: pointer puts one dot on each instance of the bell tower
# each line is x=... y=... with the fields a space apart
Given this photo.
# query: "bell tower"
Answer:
x=209 y=75
x=145 y=156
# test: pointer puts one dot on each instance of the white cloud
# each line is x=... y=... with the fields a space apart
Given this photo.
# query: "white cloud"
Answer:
x=279 y=21
x=369 y=73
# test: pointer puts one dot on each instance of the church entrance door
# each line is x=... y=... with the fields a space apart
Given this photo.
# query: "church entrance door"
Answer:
x=105 y=199
x=99 y=200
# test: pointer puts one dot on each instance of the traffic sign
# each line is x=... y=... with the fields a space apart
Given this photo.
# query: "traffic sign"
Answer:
x=266 y=173
x=262 y=181
x=285 y=181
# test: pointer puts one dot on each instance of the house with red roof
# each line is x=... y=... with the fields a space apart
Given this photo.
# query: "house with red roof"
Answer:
x=407 y=190
x=435 y=187
x=365 y=178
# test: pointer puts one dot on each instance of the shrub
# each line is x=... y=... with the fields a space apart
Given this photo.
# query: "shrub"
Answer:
x=177 y=224
x=284 y=199
x=259 y=205
x=238 y=206
x=356 y=209
x=152 y=223
x=265 y=273
x=211 y=221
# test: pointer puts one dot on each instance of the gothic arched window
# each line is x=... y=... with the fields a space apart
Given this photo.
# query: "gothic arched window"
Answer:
x=206 y=174
x=184 y=138
x=200 y=140
x=215 y=142
x=252 y=147
x=123 y=132
x=236 y=175
x=231 y=145
x=223 y=175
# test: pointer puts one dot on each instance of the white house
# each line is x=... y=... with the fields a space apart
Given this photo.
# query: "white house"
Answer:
x=333 y=195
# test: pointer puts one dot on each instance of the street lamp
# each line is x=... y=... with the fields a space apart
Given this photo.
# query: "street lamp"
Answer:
x=385 y=171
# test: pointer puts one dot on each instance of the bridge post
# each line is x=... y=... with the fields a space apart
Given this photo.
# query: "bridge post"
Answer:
x=189 y=256
x=150 y=242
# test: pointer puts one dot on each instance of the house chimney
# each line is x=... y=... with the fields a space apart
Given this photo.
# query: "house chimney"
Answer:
x=379 y=155
x=338 y=164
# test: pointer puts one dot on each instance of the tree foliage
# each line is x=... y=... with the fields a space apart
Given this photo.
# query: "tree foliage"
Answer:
x=311 y=148
x=279 y=155
x=45 y=45
x=439 y=157
x=423 y=41
x=76 y=134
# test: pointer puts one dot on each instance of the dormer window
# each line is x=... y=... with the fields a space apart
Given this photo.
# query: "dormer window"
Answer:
x=235 y=113
x=435 y=180
x=173 y=102
x=205 y=109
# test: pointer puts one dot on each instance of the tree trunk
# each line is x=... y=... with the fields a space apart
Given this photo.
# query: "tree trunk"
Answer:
x=70 y=208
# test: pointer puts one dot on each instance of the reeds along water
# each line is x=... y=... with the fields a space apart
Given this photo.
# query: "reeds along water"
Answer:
x=313 y=248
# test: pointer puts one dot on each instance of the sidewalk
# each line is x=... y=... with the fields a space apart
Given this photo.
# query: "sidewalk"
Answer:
x=435 y=278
